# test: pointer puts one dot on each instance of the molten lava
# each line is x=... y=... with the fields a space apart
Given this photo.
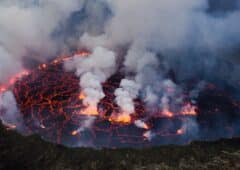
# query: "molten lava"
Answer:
x=89 y=111
x=121 y=118
x=51 y=102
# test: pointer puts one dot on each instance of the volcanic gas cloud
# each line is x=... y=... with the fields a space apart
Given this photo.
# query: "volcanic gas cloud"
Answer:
x=120 y=73
x=106 y=110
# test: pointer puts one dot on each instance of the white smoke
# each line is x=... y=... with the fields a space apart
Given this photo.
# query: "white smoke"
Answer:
x=150 y=97
x=149 y=135
x=140 y=124
x=5 y=65
x=26 y=28
x=9 y=113
x=125 y=95
x=136 y=61
x=86 y=124
x=173 y=29
x=93 y=70
x=170 y=93
x=165 y=25
x=147 y=28
x=190 y=128
x=92 y=88
x=157 y=89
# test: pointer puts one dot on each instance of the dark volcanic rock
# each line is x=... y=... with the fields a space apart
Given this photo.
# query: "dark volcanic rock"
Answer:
x=32 y=153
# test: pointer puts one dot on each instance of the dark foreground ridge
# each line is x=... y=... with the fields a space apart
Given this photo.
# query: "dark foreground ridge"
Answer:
x=32 y=153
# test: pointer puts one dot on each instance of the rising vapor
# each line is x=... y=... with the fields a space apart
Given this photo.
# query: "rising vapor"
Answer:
x=163 y=45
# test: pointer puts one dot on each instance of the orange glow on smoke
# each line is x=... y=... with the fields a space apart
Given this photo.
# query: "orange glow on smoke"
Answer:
x=64 y=58
x=9 y=126
x=18 y=76
x=189 y=110
x=147 y=135
x=142 y=124
x=186 y=110
x=121 y=118
x=2 y=89
x=145 y=126
x=83 y=53
x=82 y=96
x=167 y=113
x=42 y=66
x=75 y=132
x=89 y=111
x=56 y=61
x=13 y=79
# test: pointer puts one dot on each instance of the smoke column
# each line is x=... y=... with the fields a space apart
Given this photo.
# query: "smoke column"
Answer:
x=93 y=70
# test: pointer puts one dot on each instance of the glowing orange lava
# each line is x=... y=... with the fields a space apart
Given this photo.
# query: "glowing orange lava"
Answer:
x=82 y=53
x=13 y=79
x=89 y=111
x=123 y=118
x=82 y=96
x=53 y=96
x=167 y=113
x=18 y=76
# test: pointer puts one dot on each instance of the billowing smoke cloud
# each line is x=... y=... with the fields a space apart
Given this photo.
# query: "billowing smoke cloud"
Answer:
x=189 y=38
x=93 y=70
x=9 y=113
x=188 y=35
x=125 y=95
x=185 y=33
x=166 y=25
x=5 y=65
x=40 y=29
x=141 y=124
x=26 y=29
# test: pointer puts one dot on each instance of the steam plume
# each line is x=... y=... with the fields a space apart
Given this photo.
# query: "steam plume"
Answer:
x=93 y=70
x=9 y=112
x=193 y=39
